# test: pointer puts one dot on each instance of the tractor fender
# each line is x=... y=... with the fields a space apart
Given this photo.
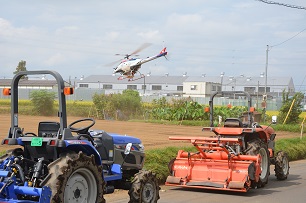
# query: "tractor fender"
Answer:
x=84 y=146
x=263 y=136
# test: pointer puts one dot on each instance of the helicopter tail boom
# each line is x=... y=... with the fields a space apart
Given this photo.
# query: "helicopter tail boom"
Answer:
x=163 y=52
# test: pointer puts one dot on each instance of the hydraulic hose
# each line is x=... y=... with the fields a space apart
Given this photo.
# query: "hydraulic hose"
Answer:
x=20 y=171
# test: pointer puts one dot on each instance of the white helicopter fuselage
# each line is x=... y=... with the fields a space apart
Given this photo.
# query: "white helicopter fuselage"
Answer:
x=125 y=66
x=129 y=67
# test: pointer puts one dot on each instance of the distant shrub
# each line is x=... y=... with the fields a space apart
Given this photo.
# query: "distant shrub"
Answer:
x=118 y=106
x=296 y=108
x=43 y=102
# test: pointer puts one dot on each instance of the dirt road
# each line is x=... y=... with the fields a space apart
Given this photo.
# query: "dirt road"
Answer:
x=152 y=135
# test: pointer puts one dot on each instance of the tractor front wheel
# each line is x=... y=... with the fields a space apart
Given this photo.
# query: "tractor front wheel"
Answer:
x=75 y=178
x=281 y=165
x=144 y=188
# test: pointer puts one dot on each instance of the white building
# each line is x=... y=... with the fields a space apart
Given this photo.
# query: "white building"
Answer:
x=199 y=85
x=29 y=84
x=196 y=88
x=149 y=85
x=166 y=85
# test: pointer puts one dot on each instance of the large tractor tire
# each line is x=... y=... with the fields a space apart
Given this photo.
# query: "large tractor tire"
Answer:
x=256 y=147
x=281 y=165
x=75 y=178
x=145 y=188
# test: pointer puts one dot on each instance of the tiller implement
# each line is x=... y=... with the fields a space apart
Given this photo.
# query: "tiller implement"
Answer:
x=236 y=158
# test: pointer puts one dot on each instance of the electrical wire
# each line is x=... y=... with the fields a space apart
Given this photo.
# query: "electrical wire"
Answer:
x=302 y=83
x=289 y=38
x=282 y=4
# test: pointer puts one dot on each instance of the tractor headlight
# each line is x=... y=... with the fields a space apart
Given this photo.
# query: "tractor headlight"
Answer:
x=141 y=147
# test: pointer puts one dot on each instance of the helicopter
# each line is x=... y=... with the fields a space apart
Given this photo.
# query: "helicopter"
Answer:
x=128 y=67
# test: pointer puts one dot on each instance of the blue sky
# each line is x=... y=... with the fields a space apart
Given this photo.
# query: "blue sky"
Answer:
x=208 y=37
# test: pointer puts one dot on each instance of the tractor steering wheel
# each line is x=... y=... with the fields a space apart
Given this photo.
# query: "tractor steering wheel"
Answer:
x=81 y=130
x=88 y=137
x=255 y=125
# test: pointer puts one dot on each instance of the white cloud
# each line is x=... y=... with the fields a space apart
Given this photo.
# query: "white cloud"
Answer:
x=67 y=30
x=112 y=35
x=150 y=35
x=55 y=59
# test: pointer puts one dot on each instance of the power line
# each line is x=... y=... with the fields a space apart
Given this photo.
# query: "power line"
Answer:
x=289 y=38
x=282 y=4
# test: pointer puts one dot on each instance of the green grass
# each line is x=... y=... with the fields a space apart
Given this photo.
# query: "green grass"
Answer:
x=288 y=127
x=295 y=147
x=157 y=160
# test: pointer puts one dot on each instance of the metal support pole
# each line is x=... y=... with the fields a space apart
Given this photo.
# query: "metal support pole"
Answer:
x=257 y=95
x=144 y=85
x=266 y=73
x=266 y=80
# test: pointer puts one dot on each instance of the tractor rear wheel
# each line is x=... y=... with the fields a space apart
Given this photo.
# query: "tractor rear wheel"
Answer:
x=256 y=147
x=281 y=165
x=144 y=188
x=75 y=178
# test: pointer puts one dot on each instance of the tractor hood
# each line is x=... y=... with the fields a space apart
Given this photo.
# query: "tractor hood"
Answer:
x=124 y=139
x=117 y=138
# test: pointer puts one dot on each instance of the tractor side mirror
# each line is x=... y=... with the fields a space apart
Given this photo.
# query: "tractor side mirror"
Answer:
x=274 y=119
x=128 y=148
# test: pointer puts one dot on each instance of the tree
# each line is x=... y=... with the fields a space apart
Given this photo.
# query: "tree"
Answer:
x=43 y=102
x=120 y=106
x=21 y=67
x=296 y=110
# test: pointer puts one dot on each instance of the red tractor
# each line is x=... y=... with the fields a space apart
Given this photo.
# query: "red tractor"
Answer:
x=236 y=158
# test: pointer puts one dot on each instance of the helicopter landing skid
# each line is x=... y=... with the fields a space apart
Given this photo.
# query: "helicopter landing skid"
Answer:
x=133 y=79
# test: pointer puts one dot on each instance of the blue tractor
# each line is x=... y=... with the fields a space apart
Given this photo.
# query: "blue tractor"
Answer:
x=63 y=163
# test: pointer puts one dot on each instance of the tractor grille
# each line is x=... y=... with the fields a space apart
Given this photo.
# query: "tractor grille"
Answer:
x=130 y=158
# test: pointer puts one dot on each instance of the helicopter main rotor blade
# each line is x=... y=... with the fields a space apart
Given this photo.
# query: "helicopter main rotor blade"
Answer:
x=113 y=63
x=145 y=45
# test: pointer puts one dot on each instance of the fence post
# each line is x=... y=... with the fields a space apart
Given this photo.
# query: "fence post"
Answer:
x=302 y=127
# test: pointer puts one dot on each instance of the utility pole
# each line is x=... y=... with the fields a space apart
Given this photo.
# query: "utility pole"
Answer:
x=265 y=97
x=221 y=75
x=144 y=85
x=266 y=79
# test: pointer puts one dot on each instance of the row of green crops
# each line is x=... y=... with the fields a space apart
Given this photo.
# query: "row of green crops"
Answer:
x=185 y=109
x=190 y=111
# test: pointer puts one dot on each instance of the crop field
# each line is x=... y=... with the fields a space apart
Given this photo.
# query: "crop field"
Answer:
x=152 y=135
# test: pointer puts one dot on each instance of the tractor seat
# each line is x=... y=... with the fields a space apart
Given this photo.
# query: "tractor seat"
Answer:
x=233 y=123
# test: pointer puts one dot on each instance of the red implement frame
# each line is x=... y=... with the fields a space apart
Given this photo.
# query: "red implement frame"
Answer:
x=215 y=166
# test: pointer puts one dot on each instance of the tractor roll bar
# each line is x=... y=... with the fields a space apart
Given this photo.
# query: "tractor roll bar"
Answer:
x=211 y=105
x=61 y=97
